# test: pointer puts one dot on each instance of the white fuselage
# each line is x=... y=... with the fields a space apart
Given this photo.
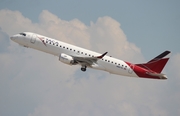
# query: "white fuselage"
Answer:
x=55 y=47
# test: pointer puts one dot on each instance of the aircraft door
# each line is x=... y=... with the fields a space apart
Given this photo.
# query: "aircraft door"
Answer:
x=33 y=39
x=131 y=68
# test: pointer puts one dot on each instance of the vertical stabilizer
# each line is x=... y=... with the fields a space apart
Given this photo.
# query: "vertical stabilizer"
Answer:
x=157 y=64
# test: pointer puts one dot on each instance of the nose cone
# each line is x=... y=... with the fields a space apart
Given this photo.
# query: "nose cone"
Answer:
x=14 y=38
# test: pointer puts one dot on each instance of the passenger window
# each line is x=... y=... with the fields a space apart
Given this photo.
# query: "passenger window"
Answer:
x=125 y=67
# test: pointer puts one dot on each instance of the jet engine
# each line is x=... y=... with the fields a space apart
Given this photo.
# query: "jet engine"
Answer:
x=66 y=59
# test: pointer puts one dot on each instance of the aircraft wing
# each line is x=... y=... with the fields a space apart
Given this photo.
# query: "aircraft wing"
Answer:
x=88 y=61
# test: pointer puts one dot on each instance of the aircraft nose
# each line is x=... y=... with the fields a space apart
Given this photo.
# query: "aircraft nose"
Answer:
x=13 y=37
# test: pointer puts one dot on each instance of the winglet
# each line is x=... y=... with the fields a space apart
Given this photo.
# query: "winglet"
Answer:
x=102 y=55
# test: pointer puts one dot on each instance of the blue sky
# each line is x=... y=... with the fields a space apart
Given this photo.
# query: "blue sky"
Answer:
x=33 y=83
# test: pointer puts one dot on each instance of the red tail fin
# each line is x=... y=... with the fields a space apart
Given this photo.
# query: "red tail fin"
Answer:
x=157 y=64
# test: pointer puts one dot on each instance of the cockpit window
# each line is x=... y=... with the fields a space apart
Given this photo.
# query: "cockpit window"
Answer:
x=22 y=34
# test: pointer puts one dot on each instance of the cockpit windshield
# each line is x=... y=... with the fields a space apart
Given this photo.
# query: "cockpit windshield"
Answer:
x=22 y=34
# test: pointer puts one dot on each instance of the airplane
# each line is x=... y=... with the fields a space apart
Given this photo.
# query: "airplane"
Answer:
x=73 y=55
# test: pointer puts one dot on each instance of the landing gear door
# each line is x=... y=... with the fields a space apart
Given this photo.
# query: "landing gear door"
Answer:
x=33 y=39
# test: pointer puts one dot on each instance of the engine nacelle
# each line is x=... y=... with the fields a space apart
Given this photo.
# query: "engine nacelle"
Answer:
x=66 y=59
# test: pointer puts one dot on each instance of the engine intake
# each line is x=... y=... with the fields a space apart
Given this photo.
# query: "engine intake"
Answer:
x=66 y=59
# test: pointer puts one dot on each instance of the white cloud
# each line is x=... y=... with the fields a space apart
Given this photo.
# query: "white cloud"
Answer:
x=106 y=33
x=39 y=84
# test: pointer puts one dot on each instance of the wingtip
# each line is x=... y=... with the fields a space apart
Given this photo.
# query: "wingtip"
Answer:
x=102 y=55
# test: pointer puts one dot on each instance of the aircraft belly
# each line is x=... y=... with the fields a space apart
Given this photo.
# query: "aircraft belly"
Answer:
x=118 y=70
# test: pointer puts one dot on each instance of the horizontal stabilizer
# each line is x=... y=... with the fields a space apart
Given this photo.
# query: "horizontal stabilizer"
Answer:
x=161 y=76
